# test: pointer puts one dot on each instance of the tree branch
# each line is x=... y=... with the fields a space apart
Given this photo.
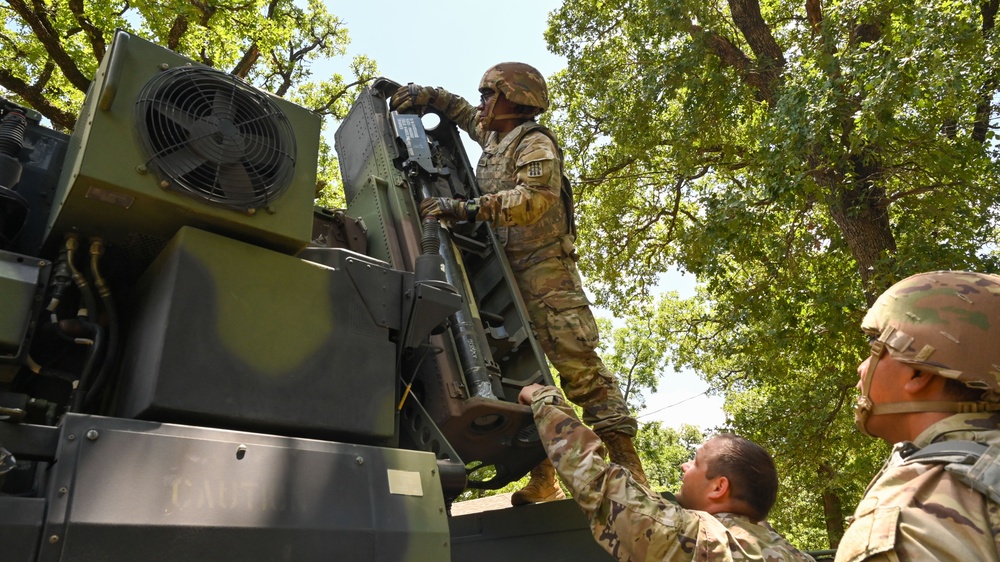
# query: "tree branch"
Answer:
x=95 y=36
x=34 y=96
x=177 y=30
x=246 y=63
x=35 y=17
x=984 y=108
x=733 y=57
x=325 y=108
x=815 y=14
x=747 y=17
x=252 y=54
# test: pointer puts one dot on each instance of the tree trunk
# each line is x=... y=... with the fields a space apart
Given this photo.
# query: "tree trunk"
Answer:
x=833 y=510
x=859 y=206
x=865 y=226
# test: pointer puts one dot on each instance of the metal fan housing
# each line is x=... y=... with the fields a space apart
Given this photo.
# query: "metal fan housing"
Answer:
x=163 y=143
x=214 y=138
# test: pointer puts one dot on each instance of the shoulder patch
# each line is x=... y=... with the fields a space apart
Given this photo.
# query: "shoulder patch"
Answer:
x=534 y=169
x=534 y=147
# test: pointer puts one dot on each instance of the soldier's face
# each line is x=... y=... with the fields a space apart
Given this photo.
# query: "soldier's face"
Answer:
x=695 y=484
x=492 y=104
x=485 y=98
x=887 y=384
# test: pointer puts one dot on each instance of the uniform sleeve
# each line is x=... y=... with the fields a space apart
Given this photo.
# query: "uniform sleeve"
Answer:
x=538 y=185
x=628 y=520
x=463 y=114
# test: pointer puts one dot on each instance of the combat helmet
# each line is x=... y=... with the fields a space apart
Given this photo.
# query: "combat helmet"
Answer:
x=520 y=83
x=942 y=322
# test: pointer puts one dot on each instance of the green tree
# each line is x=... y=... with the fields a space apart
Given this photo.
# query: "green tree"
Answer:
x=52 y=50
x=634 y=353
x=797 y=157
x=664 y=450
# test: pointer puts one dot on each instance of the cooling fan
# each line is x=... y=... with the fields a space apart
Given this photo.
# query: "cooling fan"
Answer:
x=209 y=135
x=163 y=142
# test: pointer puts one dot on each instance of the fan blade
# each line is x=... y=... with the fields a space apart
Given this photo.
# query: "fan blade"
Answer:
x=236 y=183
x=265 y=139
x=222 y=104
x=171 y=112
x=266 y=150
x=179 y=162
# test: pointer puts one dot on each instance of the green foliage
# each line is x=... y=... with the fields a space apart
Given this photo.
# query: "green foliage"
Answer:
x=52 y=51
x=797 y=161
x=663 y=450
x=634 y=353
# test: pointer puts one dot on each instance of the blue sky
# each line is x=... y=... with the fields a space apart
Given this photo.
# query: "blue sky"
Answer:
x=450 y=43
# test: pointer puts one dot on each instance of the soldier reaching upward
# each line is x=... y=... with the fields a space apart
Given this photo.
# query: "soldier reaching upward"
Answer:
x=527 y=198
x=718 y=514
x=931 y=387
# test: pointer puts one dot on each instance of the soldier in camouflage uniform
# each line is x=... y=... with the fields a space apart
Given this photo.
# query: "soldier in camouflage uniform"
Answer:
x=528 y=200
x=931 y=383
x=718 y=514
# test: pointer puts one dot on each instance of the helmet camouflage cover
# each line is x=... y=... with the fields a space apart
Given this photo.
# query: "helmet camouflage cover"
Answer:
x=519 y=82
x=943 y=322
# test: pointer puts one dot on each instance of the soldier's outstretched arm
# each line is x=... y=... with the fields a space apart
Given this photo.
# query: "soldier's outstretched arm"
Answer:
x=628 y=520
x=413 y=98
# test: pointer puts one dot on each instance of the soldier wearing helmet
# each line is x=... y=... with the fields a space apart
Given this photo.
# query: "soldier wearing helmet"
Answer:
x=931 y=387
x=528 y=200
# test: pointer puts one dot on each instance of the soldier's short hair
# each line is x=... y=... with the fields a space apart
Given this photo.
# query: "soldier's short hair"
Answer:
x=753 y=479
x=958 y=391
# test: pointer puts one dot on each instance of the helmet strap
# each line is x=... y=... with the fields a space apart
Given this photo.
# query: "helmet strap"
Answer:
x=490 y=109
x=514 y=116
x=935 y=406
x=490 y=105
x=864 y=407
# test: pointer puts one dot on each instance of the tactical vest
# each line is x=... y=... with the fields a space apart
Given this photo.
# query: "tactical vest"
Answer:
x=495 y=173
x=974 y=464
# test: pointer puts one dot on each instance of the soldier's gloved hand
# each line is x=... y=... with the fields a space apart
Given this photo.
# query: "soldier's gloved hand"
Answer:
x=448 y=208
x=413 y=98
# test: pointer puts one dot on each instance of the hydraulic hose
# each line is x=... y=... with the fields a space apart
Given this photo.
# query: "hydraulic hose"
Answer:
x=87 y=317
x=111 y=353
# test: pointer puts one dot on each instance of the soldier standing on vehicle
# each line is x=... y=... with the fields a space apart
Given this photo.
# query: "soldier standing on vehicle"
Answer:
x=719 y=512
x=931 y=387
x=528 y=199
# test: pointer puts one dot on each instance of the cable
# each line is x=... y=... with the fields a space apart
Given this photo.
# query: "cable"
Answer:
x=416 y=371
x=704 y=392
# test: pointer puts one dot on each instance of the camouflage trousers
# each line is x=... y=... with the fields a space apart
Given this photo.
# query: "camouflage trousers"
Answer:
x=564 y=325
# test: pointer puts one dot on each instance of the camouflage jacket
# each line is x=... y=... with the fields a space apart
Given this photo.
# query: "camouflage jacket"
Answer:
x=920 y=511
x=634 y=523
x=521 y=177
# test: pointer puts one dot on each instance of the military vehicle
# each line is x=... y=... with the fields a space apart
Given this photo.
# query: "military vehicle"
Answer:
x=196 y=363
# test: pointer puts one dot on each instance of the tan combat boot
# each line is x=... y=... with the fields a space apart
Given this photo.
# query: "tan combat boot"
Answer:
x=542 y=486
x=622 y=452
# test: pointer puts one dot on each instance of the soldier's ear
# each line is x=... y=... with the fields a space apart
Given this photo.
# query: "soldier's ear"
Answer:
x=922 y=381
x=718 y=488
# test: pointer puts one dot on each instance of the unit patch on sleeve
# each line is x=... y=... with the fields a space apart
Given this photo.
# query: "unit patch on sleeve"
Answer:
x=534 y=169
